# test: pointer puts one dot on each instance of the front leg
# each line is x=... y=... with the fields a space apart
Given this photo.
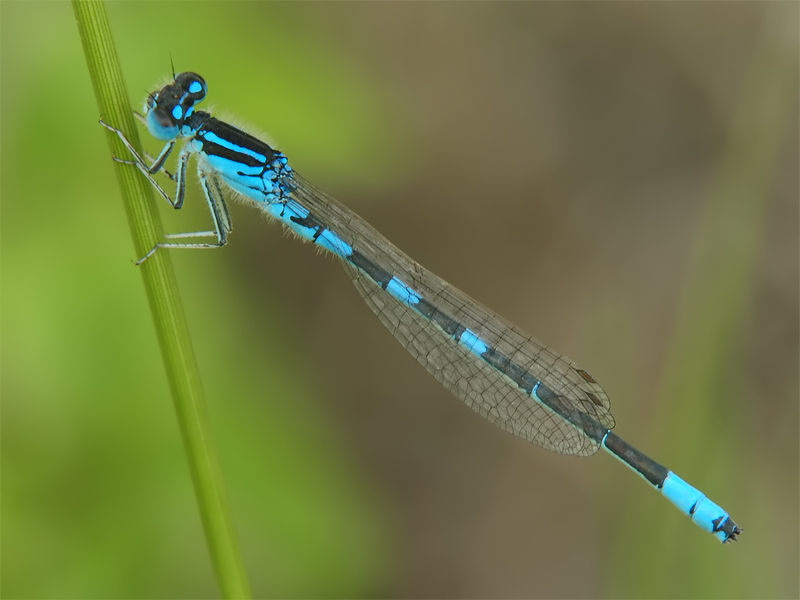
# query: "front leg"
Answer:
x=147 y=171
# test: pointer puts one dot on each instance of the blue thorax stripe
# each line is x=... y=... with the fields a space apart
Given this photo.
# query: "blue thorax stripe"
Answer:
x=212 y=137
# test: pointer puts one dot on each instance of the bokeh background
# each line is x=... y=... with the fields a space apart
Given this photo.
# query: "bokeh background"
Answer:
x=619 y=179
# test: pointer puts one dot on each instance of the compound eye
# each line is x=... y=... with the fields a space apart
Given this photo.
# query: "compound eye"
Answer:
x=161 y=125
x=163 y=118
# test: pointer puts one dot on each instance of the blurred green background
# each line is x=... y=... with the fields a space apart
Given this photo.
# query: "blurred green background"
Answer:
x=619 y=179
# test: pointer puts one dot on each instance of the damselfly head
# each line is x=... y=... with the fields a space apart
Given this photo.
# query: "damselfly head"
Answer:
x=168 y=109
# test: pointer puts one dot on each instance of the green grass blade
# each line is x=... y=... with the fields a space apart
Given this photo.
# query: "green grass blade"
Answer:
x=162 y=293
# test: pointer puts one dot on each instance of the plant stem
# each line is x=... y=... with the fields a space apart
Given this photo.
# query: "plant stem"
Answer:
x=165 y=305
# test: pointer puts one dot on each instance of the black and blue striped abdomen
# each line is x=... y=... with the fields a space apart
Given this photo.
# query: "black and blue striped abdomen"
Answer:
x=496 y=369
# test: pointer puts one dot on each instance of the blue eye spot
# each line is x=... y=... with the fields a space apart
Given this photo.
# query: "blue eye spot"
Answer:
x=177 y=112
x=195 y=87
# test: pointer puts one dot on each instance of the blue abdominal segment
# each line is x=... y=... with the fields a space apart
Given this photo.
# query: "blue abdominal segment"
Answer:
x=402 y=292
x=690 y=501
x=472 y=342
x=693 y=502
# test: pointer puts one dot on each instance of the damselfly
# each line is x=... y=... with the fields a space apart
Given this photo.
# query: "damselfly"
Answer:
x=499 y=371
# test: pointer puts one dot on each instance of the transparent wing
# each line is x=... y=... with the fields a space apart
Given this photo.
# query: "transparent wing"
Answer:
x=476 y=382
